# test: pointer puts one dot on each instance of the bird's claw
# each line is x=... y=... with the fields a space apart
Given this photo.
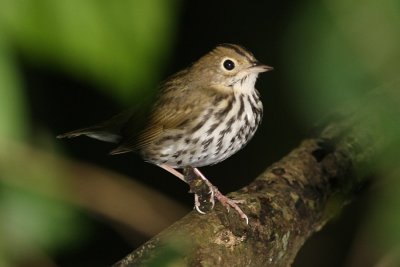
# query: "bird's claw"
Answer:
x=232 y=203
x=212 y=198
x=197 y=204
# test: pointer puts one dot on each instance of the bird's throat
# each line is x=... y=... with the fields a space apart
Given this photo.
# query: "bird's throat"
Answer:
x=246 y=84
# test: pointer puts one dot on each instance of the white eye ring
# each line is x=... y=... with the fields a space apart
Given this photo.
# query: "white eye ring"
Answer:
x=228 y=64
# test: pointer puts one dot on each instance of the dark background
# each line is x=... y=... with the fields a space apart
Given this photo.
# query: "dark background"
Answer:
x=283 y=34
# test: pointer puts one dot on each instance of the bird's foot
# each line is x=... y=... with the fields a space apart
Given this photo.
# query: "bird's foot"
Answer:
x=202 y=186
x=197 y=200
x=224 y=200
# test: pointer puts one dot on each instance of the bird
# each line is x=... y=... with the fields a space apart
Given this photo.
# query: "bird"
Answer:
x=202 y=115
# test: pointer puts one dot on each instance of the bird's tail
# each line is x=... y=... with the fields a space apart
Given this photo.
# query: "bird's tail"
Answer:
x=108 y=131
x=98 y=132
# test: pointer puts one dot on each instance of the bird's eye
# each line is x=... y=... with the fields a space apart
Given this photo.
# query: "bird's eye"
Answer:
x=228 y=64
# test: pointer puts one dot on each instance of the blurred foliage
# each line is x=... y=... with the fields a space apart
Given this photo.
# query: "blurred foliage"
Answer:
x=120 y=45
x=31 y=223
x=339 y=50
x=12 y=104
x=344 y=55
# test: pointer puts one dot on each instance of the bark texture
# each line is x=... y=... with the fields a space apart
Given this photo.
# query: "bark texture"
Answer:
x=286 y=204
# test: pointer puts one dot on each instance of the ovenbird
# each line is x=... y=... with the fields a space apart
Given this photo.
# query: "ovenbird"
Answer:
x=203 y=115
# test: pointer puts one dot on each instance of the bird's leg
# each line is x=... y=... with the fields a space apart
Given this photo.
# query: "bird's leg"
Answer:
x=225 y=201
x=176 y=173
x=193 y=182
x=172 y=171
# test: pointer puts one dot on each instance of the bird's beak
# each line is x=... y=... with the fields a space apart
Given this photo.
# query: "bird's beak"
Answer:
x=260 y=67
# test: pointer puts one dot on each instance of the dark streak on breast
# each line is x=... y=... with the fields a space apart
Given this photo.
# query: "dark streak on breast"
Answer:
x=206 y=143
x=197 y=126
x=225 y=111
x=222 y=134
x=241 y=109
x=218 y=99
x=177 y=153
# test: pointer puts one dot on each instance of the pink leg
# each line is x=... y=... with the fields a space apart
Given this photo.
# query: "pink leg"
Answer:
x=172 y=171
x=181 y=176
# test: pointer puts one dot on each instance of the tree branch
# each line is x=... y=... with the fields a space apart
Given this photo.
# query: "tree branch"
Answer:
x=286 y=204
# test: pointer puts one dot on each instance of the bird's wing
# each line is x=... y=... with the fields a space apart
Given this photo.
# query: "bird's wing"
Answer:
x=171 y=111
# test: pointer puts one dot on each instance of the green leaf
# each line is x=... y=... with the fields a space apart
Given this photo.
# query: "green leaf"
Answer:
x=119 y=45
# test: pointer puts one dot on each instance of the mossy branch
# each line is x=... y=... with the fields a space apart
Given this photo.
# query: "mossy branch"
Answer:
x=291 y=200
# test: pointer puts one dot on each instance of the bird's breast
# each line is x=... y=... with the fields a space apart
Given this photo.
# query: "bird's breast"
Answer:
x=219 y=131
